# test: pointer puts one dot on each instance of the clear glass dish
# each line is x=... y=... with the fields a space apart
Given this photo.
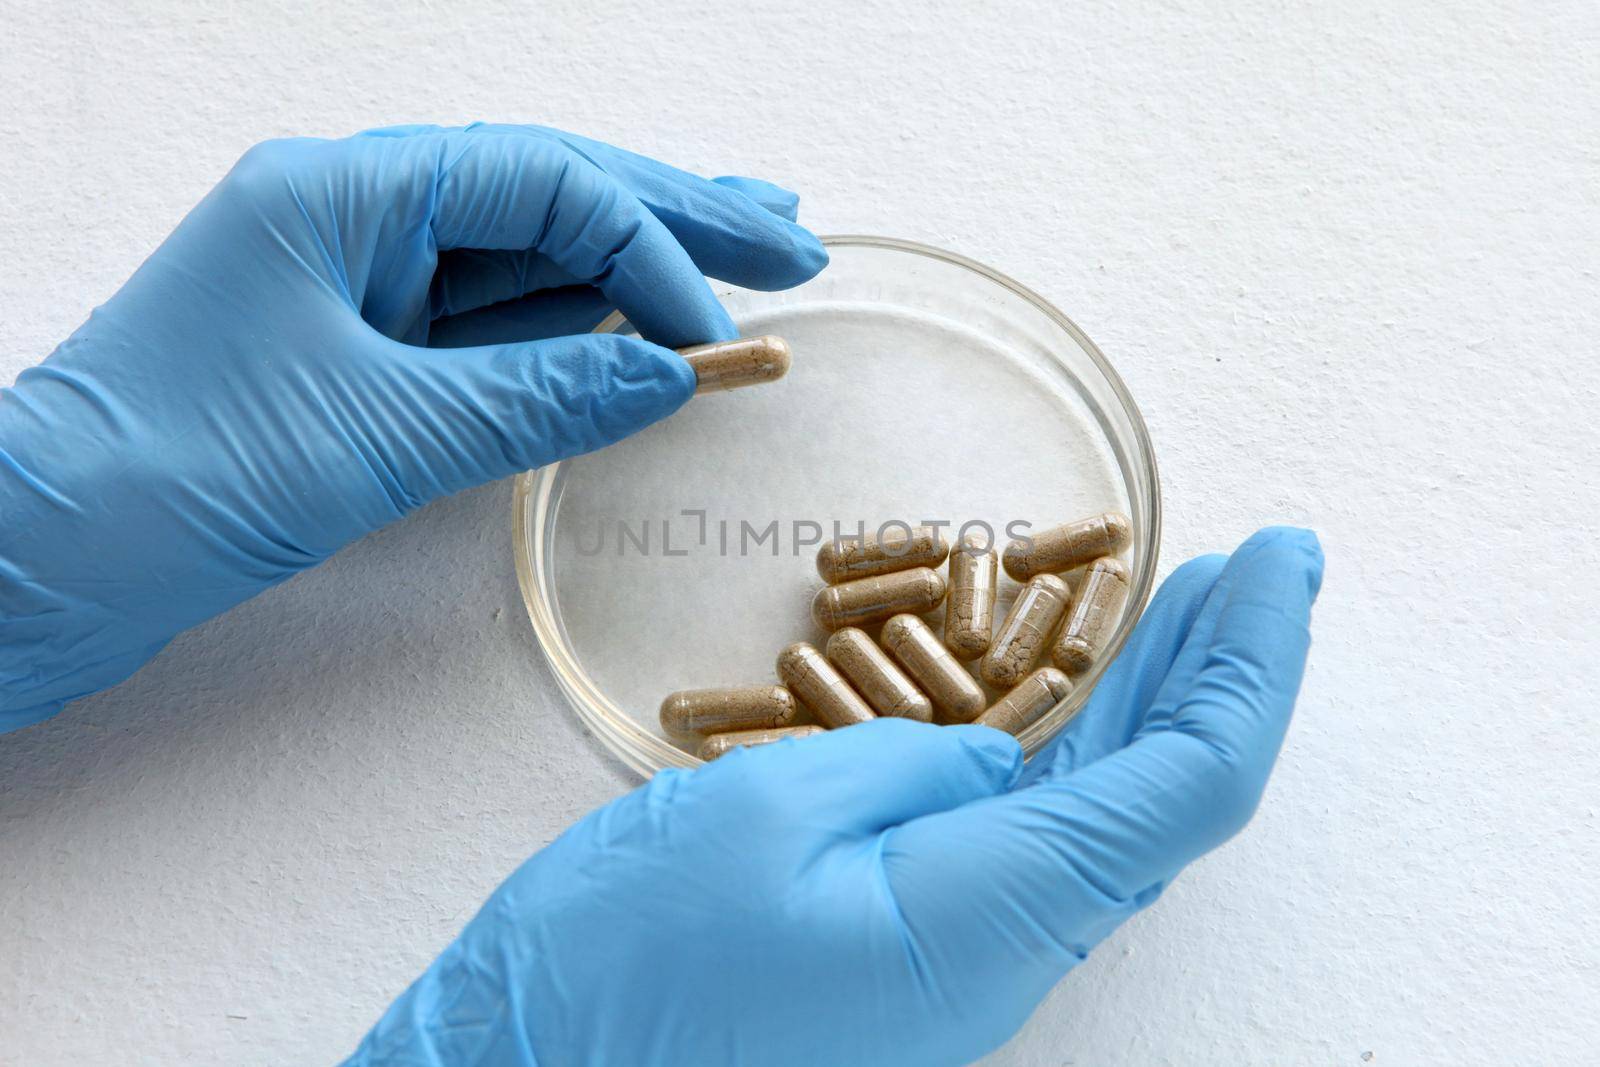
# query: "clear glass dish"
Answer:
x=924 y=387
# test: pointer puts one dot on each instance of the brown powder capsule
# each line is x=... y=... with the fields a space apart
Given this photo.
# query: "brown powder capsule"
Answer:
x=736 y=364
x=717 y=711
x=721 y=744
x=1027 y=703
x=1026 y=631
x=868 y=600
x=813 y=679
x=969 y=601
x=873 y=673
x=841 y=560
x=1061 y=548
x=917 y=648
x=1099 y=606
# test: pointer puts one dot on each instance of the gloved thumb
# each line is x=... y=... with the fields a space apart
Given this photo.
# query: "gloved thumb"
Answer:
x=865 y=779
x=443 y=420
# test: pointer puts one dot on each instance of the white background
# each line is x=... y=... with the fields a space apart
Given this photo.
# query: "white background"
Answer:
x=1345 y=256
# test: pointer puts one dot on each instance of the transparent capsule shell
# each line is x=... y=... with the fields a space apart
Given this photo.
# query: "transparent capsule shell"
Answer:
x=845 y=559
x=955 y=694
x=876 y=677
x=721 y=744
x=868 y=600
x=810 y=676
x=735 y=364
x=969 y=601
x=1028 y=701
x=1024 y=636
x=1061 y=548
x=1099 y=606
x=697 y=712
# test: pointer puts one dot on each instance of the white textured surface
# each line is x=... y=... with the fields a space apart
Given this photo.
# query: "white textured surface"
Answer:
x=1345 y=257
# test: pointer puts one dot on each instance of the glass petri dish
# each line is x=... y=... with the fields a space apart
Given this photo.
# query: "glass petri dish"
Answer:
x=925 y=387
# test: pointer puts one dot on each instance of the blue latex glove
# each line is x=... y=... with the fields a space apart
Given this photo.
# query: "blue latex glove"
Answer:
x=339 y=333
x=887 y=893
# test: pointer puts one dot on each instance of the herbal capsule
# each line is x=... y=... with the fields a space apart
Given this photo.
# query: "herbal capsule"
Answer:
x=717 y=711
x=812 y=678
x=736 y=364
x=969 y=602
x=955 y=693
x=868 y=600
x=841 y=559
x=1027 y=703
x=1061 y=548
x=721 y=744
x=1099 y=605
x=1026 y=631
x=875 y=676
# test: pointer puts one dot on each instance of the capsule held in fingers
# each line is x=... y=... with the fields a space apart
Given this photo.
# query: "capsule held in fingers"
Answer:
x=716 y=711
x=1061 y=548
x=969 y=600
x=1027 y=703
x=1025 y=634
x=843 y=559
x=1099 y=605
x=735 y=364
x=810 y=676
x=917 y=648
x=721 y=744
x=869 y=600
x=875 y=676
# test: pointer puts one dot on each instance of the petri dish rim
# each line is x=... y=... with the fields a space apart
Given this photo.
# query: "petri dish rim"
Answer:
x=537 y=493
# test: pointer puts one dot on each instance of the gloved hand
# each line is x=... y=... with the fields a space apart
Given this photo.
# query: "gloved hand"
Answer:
x=259 y=393
x=888 y=893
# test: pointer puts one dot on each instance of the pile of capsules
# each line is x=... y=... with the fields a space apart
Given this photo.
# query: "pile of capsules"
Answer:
x=912 y=672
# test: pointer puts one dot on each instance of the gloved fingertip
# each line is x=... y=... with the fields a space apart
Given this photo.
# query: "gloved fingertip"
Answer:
x=995 y=751
x=806 y=257
x=784 y=267
x=1298 y=548
x=809 y=253
x=782 y=202
x=1173 y=608
x=1149 y=895
x=1278 y=568
x=634 y=383
x=669 y=372
x=1199 y=573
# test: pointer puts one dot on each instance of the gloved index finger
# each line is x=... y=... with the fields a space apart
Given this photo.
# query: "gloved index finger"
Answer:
x=729 y=227
x=784 y=203
x=515 y=192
